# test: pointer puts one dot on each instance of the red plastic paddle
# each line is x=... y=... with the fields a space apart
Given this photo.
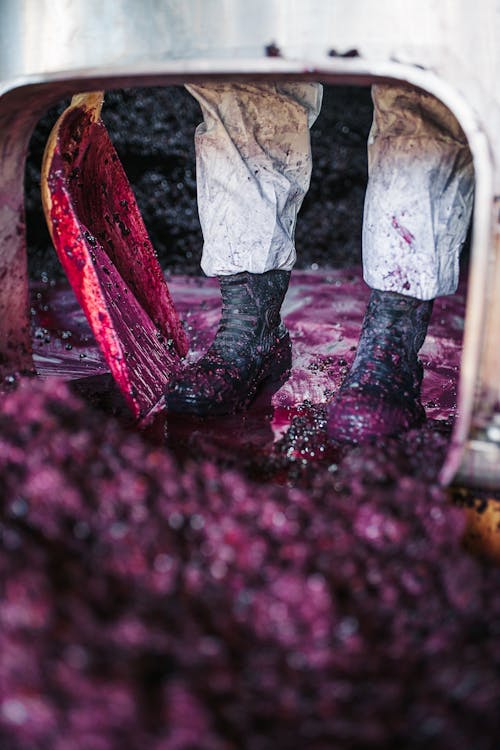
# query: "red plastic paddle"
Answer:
x=103 y=245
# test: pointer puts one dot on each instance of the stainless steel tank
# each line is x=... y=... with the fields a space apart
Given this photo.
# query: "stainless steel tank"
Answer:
x=49 y=50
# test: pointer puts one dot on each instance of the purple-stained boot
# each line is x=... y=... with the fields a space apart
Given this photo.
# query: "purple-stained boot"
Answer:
x=381 y=393
x=251 y=347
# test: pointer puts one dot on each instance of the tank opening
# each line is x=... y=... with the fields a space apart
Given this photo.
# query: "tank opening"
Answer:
x=248 y=585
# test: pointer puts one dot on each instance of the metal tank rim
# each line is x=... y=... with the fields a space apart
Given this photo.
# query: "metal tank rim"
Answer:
x=40 y=91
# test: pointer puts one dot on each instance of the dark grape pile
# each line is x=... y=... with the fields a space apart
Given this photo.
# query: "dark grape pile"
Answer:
x=149 y=604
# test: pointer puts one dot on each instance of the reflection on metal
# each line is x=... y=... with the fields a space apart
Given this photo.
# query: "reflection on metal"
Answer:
x=448 y=47
x=480 y=460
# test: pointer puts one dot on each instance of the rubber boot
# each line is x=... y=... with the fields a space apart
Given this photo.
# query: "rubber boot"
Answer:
x=251 y=347
x=381 y=394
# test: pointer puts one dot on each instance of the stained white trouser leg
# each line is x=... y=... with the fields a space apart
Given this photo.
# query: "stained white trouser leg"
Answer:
x=419 y=196
x=253 y=168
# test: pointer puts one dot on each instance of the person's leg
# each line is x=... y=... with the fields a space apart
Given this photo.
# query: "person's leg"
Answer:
x=253 y=164
x=417 y=211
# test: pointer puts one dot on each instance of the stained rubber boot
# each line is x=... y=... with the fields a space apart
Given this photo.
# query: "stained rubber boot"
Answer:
x=251 y=347
x=381 y=394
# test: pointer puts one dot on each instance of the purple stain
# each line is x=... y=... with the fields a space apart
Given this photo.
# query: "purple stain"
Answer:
x=403 y=232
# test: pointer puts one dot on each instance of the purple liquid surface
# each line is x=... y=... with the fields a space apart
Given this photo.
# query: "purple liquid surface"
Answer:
x=246 y=586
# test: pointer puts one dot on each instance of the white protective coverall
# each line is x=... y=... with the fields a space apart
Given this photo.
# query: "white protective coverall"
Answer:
x=253 y=162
